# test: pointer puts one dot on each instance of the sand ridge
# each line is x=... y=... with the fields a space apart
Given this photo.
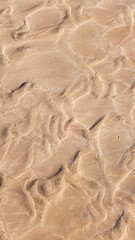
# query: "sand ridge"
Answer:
x=67 y=120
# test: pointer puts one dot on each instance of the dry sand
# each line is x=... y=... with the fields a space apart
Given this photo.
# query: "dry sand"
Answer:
x=67 y=119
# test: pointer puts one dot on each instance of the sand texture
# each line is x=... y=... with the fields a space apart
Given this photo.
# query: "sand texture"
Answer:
x=67 y=119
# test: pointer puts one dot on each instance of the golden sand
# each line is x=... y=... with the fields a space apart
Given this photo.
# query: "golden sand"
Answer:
x=67 y=119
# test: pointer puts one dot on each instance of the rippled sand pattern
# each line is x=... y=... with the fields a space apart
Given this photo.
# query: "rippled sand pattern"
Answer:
x=67 y=119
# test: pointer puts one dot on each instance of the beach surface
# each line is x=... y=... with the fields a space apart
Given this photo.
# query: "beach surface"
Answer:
x=67 y=119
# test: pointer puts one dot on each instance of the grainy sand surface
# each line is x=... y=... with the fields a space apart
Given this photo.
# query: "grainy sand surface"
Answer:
x=67 y=119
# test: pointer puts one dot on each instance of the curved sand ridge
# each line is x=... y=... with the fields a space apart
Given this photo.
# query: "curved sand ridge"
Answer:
x=67 y=120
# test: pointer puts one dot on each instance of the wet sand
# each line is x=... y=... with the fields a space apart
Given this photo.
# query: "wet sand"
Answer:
x=67 y=120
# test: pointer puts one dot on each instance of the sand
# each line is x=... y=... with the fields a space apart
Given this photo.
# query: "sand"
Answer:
x=67 y=120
